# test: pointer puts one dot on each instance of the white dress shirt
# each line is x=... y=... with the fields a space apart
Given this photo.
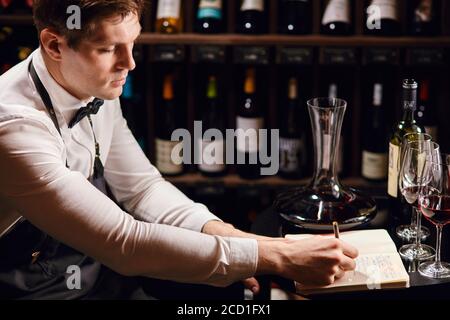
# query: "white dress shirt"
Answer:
x=161 y=235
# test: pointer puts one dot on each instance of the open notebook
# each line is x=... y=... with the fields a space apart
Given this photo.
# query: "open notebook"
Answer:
x=378 y=265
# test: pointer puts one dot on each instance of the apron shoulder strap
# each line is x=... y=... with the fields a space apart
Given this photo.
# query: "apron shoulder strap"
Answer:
x=44 y=95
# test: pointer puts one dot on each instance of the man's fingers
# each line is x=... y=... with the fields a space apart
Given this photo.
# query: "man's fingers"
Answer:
x=349 y=250
x=339 y=274
x=348 y=264
x=252 y=284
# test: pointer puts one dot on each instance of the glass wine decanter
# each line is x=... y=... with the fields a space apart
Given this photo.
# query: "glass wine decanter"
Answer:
x=325 y=200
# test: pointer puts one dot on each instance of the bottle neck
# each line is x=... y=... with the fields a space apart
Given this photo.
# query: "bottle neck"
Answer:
x=409 y=101
x=409 y=114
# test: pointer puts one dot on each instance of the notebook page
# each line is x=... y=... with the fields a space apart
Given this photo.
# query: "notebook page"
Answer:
x=367 y=241
x=378 y=264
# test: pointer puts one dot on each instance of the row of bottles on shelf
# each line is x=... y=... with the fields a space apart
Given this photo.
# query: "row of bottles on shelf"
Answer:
x=382 y=17
x=293 y=123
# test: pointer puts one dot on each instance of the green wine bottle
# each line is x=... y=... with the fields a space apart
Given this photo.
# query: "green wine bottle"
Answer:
x=406 y=125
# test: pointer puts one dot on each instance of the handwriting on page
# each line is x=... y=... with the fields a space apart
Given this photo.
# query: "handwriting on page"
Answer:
x=373 y=270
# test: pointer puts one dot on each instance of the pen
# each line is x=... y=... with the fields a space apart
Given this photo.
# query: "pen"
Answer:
x=336 y=229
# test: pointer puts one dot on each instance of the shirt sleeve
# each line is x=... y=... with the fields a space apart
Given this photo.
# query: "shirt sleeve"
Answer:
x=62 y=203
x=137 y=184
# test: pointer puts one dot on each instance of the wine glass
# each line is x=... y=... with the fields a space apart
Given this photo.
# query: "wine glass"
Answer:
x=409 y=232
x=434 y=202
x=410 y=181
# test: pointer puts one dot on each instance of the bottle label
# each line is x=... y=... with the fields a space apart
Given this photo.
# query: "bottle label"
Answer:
x=247 y=140
x=168 y=161
x=292 y=154
x=386 y=9
x=168 y=9
x=424 y=11
x=210 y=9
x=212 y=155
x=374 y=165
x=377 y=94
x=337 y=11
x=433 y=132
x=394 y=159
x=257 y=5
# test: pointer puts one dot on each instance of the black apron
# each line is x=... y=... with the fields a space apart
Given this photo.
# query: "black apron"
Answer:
x=33 y=265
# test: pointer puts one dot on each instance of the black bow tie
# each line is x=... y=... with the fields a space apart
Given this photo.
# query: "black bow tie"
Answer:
x=91 y=108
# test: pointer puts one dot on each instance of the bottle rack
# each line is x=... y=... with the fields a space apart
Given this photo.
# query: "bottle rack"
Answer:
x=309 y=55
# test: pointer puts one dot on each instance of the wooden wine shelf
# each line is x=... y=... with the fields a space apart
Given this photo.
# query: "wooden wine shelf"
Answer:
x=16 y=19
x=276 y=39
x=151 y=38
x=233 y=180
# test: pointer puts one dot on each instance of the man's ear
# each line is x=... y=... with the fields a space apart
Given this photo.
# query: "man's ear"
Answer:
x=52 y=42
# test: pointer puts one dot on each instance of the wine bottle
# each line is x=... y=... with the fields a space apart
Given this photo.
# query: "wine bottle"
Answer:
x=375 y=151
x=406 y=125
x=6 y=6
x=383 y=18
x=426 y=113
x=212 y=150
x=131 y=102
x=292 y=137
x=337 y=18
x=248 y=123
x=252 y=17
x=209 y=16
x=23 y=6
x=423 y=17
x=333 y=94
x=295 y=17
x=168 y=17
x=168 y=160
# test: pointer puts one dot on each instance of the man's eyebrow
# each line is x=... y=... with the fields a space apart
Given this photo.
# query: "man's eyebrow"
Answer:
x=104 y=42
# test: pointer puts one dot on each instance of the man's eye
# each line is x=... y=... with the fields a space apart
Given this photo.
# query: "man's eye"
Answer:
x=107 y=50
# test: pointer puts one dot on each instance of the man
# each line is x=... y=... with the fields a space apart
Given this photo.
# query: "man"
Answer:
x=56 y=212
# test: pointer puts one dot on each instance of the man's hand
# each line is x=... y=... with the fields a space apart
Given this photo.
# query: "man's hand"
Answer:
x=314 y=261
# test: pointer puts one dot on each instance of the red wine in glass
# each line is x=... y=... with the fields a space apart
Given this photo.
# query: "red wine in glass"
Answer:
x=436 y=209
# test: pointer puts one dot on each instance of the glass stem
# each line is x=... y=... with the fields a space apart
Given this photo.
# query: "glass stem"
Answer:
x=438 y=244
x=416 y=213
x=414 y=217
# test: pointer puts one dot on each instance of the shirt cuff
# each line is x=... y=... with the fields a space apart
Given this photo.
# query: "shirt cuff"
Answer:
x=243 y=258
x=241 y=261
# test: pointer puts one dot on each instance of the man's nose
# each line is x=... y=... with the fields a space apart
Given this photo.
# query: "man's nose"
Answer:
x=127 y=60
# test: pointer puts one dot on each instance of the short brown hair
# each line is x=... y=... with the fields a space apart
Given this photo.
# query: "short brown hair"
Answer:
x=53 y=14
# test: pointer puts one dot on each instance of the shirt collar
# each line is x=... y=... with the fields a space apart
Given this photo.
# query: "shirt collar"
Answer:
x=63 y=102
